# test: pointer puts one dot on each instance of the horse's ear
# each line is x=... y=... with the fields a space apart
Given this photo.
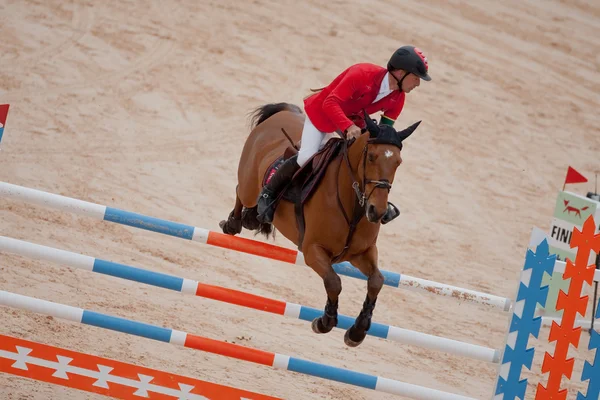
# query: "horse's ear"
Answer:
x=408 y=131
x=371 y=125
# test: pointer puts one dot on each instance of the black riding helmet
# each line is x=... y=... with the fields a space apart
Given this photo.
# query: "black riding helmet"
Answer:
x=411 y=60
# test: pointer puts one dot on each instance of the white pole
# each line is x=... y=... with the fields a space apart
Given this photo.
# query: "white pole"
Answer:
x=202 y=235
x=396 y=334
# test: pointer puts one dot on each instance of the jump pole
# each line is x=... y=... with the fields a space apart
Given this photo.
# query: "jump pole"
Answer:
x=274 y=360
x=583 y=323
x=244 y=245
x=107 y=377
x=292 y=310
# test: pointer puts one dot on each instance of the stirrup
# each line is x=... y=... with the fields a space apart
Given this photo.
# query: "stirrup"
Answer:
x=391 y=214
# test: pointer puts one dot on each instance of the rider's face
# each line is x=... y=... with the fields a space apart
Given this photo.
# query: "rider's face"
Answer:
x=409 y=83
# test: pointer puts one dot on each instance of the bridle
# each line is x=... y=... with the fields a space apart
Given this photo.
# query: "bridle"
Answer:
x=378 y=136
x=361 y=194
x=379 y=184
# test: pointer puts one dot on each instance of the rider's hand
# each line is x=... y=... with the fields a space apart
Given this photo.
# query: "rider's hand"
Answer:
x=353 y=131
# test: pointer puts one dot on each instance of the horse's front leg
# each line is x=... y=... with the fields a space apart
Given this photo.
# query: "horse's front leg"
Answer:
x=320 y=261
x=367 y=264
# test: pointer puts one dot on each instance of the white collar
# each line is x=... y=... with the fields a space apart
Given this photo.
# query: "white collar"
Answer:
x=385 y=84
x=384 y=88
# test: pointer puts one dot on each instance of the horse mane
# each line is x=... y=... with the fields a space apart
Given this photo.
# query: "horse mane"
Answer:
x=262 y=113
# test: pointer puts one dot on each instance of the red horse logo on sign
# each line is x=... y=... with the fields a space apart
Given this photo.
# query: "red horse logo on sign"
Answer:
x=576 y=210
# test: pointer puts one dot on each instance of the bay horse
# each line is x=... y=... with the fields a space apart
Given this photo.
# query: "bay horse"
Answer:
x=338 y=219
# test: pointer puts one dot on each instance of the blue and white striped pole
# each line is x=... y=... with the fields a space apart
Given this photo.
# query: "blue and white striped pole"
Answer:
x=180 y=338
x=236 y=243
x=280 y=307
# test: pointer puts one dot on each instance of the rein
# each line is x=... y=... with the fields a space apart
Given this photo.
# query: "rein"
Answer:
x=358 y=209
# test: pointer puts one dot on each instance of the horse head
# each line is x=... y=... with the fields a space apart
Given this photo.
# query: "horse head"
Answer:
x=380 y=160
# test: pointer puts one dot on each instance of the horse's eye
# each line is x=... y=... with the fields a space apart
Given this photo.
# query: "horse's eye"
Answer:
x=372 y=157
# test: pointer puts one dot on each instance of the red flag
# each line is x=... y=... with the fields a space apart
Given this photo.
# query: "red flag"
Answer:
x=3 y=114
x=574 y=177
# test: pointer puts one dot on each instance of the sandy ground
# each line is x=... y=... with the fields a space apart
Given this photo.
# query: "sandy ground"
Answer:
x=142 y=106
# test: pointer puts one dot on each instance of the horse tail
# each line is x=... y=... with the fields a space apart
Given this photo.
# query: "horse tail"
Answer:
x=262 y=113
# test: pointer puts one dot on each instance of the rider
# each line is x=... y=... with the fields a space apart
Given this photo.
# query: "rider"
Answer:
x=339 y=106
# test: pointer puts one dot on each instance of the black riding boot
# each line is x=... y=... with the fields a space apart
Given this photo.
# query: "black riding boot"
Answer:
x=269 y=193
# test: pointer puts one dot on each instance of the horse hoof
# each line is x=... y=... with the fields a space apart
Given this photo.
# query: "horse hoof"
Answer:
x=318 y=327
x=231 y=226
x=352 y=343
x=315 y=325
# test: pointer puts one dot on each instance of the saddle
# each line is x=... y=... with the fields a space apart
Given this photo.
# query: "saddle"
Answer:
x=306 y=180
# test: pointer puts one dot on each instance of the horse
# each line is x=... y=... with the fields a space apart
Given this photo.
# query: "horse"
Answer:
x=335 y=213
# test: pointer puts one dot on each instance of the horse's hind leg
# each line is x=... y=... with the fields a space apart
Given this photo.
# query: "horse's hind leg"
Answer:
x=367 y=264
x=319 y=261
x=250 y=221
x=249 y=218
x=233 y=225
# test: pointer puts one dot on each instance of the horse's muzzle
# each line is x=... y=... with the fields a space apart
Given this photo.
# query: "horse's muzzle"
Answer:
x=372 y=215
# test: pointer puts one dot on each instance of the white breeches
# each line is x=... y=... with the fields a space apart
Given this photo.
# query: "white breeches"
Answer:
x=312 y=141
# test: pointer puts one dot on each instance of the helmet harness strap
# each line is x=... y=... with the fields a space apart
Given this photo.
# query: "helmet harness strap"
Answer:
x=400 y=80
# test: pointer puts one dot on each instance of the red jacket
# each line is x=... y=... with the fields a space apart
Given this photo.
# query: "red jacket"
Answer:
x=340 y=104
